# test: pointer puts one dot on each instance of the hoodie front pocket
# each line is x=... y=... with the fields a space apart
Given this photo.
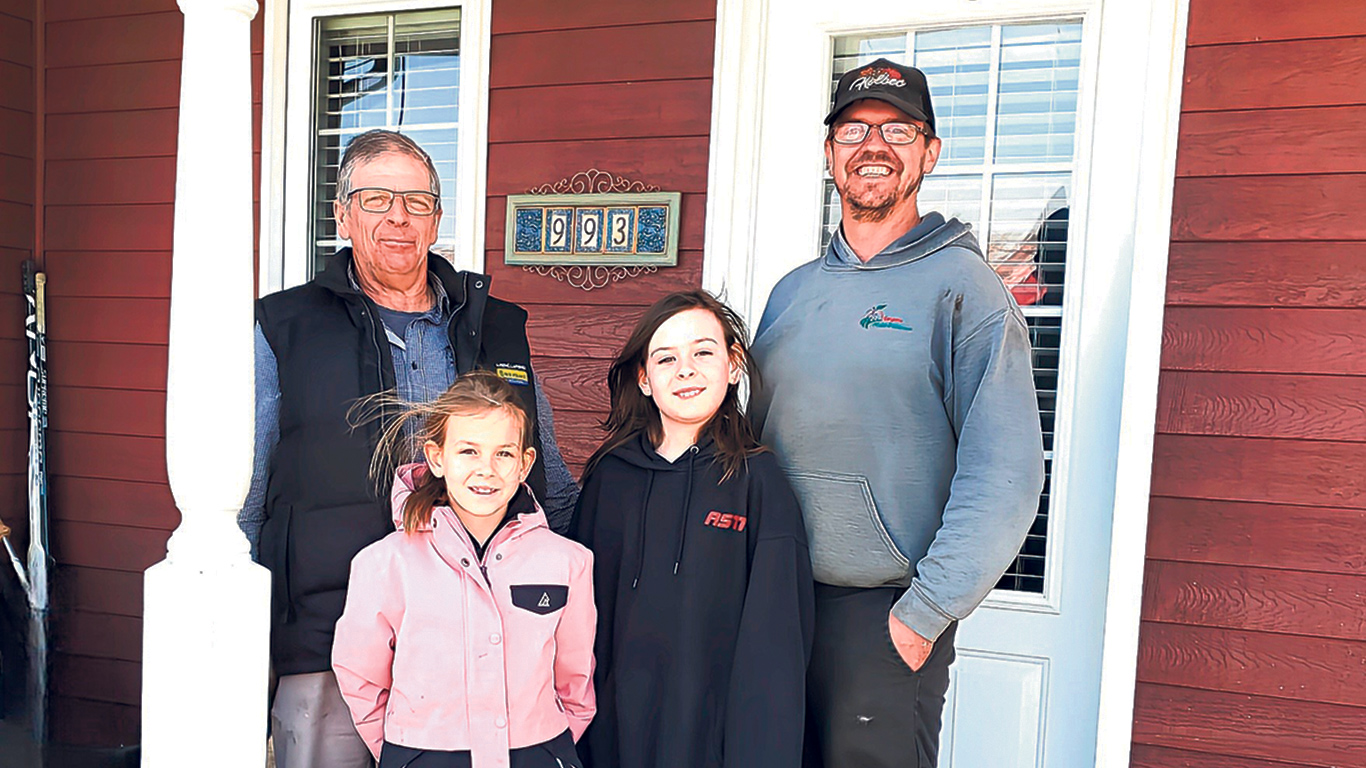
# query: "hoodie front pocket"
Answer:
x=850 y=546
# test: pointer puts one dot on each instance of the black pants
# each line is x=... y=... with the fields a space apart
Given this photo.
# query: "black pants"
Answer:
x=865 y=707
x=556 y=753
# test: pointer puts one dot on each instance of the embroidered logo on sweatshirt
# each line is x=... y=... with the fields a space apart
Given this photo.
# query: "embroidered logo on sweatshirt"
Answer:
x=725 y=520
x=544 y=601
x=877 y=317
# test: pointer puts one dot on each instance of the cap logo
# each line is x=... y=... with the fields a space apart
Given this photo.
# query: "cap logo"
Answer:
x=873 y=77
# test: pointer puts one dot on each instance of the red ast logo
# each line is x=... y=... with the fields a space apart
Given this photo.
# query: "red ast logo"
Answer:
x=725 y=520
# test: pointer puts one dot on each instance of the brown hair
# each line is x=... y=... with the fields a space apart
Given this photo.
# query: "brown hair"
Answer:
x=472 y=394
x=632 y=411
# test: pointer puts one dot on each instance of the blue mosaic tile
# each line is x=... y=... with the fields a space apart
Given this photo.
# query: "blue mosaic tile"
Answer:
x=588 y=230
x=621 y=224
x=559 y=230
x=528 y=238
x=653 y=232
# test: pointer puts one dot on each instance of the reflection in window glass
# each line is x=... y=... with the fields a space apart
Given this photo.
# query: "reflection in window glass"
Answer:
x=396 y=71
x=1005 y=100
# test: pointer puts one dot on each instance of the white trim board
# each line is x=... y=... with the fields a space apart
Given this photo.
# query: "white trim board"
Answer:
x=285 y=165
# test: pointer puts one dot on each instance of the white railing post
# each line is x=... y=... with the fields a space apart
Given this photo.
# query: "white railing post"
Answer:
x=206 y=613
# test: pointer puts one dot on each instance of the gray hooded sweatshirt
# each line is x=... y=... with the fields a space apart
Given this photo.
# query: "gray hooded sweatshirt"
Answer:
x=899 y=397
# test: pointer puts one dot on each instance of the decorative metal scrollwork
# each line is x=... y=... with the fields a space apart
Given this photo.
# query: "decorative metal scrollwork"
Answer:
x=588 y=278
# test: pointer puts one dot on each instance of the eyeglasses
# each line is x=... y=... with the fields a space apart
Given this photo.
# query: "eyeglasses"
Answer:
x=380 y=200
x=896 y=134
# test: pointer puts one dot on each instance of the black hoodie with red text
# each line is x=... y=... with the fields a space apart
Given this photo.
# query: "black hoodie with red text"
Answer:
x=705 y=611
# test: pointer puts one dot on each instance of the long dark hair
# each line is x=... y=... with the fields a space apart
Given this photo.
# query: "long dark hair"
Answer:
x=633 y=411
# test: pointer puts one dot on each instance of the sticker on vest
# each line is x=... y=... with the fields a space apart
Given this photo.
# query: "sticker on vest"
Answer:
x=513 y=374
x=877 y=317
x=540 y=598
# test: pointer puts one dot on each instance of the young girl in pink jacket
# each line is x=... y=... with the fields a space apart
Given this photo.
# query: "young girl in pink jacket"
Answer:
x=467 y=638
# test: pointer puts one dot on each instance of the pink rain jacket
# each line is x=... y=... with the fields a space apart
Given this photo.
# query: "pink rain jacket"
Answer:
x=435 y=652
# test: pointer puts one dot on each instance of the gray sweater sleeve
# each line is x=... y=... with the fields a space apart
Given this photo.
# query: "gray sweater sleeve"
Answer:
x=560 y=489
x=997 y=480
x=253 y=513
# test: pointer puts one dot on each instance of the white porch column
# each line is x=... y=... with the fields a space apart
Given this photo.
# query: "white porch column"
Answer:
x=206 y=619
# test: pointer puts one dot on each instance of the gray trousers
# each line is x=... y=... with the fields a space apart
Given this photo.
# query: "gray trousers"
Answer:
x=312 y=727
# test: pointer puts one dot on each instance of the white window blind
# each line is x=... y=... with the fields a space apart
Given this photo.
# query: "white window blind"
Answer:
x=1005 y=100
x=399 y=71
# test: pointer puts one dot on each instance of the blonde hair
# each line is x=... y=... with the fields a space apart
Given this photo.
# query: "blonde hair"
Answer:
x=473 y=394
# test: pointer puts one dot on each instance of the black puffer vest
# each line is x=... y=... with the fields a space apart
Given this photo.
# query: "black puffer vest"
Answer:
x=331 y=350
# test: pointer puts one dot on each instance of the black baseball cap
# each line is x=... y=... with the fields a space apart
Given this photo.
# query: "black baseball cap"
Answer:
x=901 y=86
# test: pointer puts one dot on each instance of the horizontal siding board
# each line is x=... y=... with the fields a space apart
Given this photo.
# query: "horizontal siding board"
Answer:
x=16 y=179
x=19 y=9
x=579 y=331
x=66 y=10
x=124 y=321
x=619 y=54
x=1306 y=341
x=521 y=285
x=578 y=435
x=145 y=85
x=96 y=274
x=1316 y=275
x=1320 y=539
x=1292 y=141
x=81 y=722
x=112 y=547
x=1297 y=472
x=673 y=164
x=110 y=680
x=1301 y=73
x=98 y=590
x=115 y=40
x=16 y=225
x=16 y=40
x=140 y=413
x=109 y=227
x=1145 y=756
x=19 y=128
x=14 y=402
x=114 y=502
x=108 y=457
x=574 y=383
x=18 y=91
x=14 y=448
x=1286 y=208
x=1235 y=21
x=137 y=133
x=1309 y=735
x=129 y=366
x=98 y=635
x=93 y=182
x=510 y=16
x=638 y=109
x=1263 y=405
x=1285 y=666
x=1299 y=603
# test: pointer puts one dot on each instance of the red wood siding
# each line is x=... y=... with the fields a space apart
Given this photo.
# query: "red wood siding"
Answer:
x=109 y=128
x=640 y=107
x=17 y=196
x=1251 y=649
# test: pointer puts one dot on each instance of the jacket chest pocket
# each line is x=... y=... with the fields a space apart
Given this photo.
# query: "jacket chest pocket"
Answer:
x=540 y=599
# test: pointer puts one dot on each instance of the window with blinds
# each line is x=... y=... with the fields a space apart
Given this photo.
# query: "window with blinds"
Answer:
x=1005 y=100
x=399 y=71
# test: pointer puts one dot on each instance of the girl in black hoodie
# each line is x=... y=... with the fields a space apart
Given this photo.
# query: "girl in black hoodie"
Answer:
x=702 y=576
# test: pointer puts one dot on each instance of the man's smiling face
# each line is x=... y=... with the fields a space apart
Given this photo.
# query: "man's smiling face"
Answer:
x=395 y=242
x=874 y=178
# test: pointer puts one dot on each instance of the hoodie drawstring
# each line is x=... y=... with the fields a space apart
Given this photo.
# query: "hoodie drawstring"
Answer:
x=687 y=499
x=640 y=539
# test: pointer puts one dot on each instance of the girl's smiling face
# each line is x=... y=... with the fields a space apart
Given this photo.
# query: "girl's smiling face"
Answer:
x=687 y=372
x=483 y=462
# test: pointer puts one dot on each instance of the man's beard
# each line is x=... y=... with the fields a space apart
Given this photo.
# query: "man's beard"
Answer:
x=875 y=205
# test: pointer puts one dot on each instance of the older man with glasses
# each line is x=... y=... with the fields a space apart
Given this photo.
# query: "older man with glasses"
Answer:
x=898 y=394
x=386 y=315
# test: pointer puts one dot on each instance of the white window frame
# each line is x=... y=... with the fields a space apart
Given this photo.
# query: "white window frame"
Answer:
x=287 y=135
x=1155 y=51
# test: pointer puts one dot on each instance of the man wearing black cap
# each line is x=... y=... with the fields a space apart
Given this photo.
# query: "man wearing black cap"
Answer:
x=898 y=394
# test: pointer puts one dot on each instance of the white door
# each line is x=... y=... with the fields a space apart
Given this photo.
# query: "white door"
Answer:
x=1039 y=107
